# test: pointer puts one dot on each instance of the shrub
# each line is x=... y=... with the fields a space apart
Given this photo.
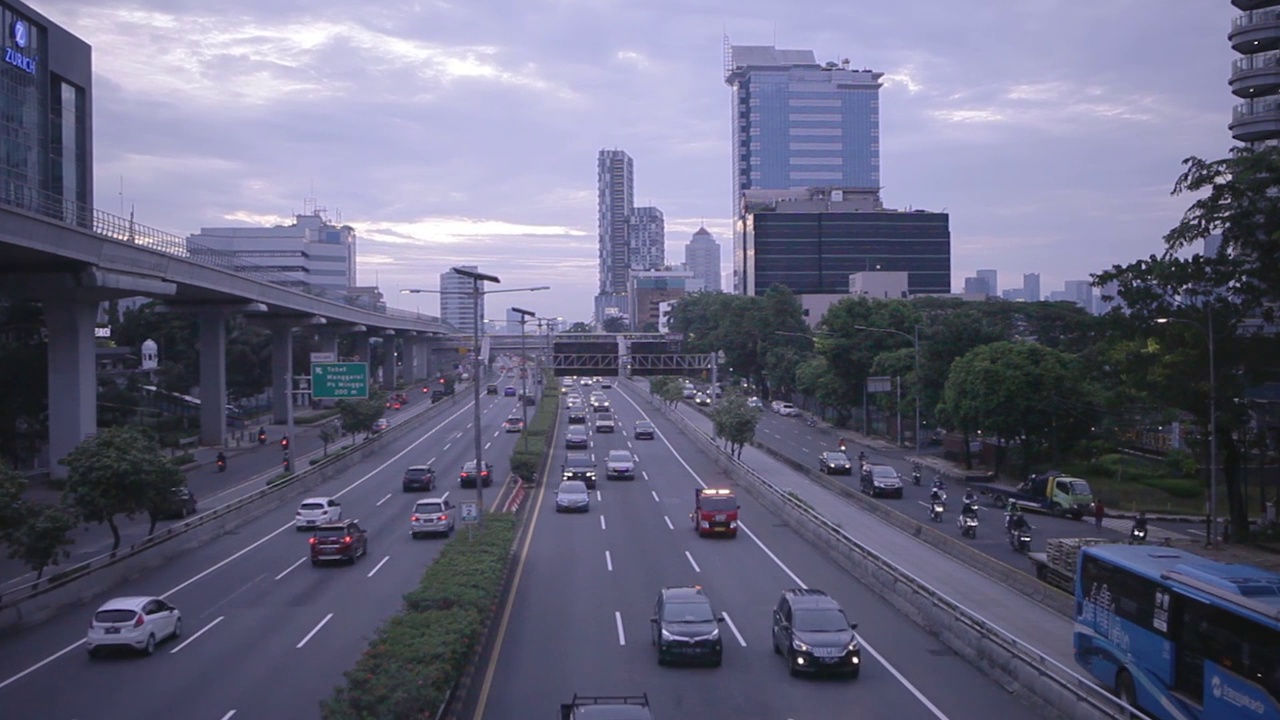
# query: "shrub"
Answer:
x=418 y=655
x=183 y=459
x=1177 y=487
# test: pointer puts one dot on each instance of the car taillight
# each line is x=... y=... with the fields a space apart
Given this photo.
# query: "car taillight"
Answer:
x=313 y=541
x=298 y=514
x=443 y=517
x=346 y=540
x=139 y=621
x=413 y=518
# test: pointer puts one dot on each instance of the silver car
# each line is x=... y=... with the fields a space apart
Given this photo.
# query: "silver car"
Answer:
x=432 y=516
x=620 y=464
x=573 y=496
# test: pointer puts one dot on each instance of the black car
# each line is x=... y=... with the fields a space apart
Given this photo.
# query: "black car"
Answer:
x=579 y=466
x=575 y=438
x=685 y=628
x=418 y=477
x=577 y=416
x=491 y=389
x=835 y=463
x=644 y=430
x=178 y=504
x=881 y=481
x=467 y=478
x=812 y=631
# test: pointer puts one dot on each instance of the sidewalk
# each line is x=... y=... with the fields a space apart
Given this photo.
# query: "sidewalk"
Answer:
x=1018 y=615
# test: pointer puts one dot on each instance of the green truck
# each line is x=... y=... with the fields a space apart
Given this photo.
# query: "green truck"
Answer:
x=1053 y=492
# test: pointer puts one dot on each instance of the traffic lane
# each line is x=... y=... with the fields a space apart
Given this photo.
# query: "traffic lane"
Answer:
x=958 y=689
x=230 y=560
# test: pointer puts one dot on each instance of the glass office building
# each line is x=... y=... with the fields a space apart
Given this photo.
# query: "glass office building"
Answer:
x=46 y=160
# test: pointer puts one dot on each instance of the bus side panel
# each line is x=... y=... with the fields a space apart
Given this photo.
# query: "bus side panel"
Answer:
x=1227 y=695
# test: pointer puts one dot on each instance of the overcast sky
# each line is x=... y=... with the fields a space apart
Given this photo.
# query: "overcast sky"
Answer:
x=466 y=131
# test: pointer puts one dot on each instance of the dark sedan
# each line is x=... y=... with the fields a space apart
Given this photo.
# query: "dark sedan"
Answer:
x=644 y=430
x=835 y=463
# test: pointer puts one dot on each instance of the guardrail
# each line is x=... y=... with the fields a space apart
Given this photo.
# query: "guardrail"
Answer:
x=1012 y=661
x=15 y=598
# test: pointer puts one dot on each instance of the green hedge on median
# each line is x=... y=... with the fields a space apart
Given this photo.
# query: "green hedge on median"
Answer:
x=420 y=652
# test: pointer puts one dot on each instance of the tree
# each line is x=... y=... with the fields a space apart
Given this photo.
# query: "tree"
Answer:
x=614 y=324
x=120 y=471
x=734 y=422
x=359 y=415
x=580 y=328
x=43 y=536
x=328 y=433
x=667 y=387
x=12 y=486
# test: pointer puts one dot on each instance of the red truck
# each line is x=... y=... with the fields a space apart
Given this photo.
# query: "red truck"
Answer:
x=715 y=512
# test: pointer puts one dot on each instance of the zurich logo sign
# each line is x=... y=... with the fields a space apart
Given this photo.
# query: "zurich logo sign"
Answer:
x=21 y=33
x=21 y=37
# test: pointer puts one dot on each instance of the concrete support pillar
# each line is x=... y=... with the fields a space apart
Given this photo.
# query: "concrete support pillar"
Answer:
x=213 y=377
x=73 y=377
x=281 y=370
x=327 y=342
x=409 y=360
x=388 y=362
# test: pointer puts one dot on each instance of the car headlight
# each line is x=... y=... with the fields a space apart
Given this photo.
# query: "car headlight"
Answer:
x=853 y=645
x=667 y=637
x=715 y=635
x=800 y=646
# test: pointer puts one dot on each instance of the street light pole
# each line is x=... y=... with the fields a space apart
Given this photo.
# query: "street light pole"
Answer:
x=914 y=337
x=524 y=377
x=1211 y=520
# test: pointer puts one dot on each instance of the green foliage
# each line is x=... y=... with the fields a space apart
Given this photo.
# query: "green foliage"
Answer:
x=580 y=327
x=419 y=653
x=118 y=472
x=182 y=459
x=42 y=537
x=1180 y=463
x=358 y=416
x=12 y=485
x=320 y=416
x=667 y=387
x=734 y=422
x=615 y=324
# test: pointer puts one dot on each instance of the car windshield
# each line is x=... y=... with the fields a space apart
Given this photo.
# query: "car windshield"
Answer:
x=644 y=425
x=416 y=472
x=470 y=467
x=619 y=456
x=573 y=487
x=576 y=433
x=579 y=464
x=430 y=508
x=837 y=457
x=513 y=421
x=829 y=620
x=881 y=472
x=687 y=612
x=719 y=504
x=311 y=506
x=1080 y=487
x=114 y=616
x=604 y=417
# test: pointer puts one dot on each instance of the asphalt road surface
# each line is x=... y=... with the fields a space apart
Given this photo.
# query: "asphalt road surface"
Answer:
x=792 y=438
x=266 y=635
x=579 y=619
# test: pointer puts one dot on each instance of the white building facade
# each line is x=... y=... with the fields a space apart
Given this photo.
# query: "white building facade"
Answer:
x=311 y=252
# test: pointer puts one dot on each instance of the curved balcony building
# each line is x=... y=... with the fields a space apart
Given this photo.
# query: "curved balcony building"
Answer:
x=1255 y=75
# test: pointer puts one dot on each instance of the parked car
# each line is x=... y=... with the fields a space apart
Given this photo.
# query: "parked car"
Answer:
x=418 y=477
x=316 y=511
x=786 y=409
x=134 y=623
x=431 y=516
x=341 y=540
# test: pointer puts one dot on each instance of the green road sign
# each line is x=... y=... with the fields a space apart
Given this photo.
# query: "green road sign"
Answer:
x=339 y=380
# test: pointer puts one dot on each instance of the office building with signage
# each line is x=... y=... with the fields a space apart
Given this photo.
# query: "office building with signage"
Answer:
x=46 y=111
x=812 y=240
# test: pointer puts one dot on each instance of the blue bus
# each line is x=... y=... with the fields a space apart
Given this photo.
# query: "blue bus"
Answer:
x=1178 y=636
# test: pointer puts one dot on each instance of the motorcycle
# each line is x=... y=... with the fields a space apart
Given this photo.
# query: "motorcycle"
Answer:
x=1138 y=536
x=915 y=476
x=936 y=508
x=811 y=422
x=1020 y=539
x=968 y=525
x=222 y=466
x=262 y=437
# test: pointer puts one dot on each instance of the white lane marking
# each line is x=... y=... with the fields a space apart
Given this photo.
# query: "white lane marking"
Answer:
x=608 y=560
x=446 y=495
x=664 y=517
x=202 y=631
x=229 y=715
x=654 y=493
x=799 y=583
x=729 y=621
x=691 y=562
x=602 y=526
x=379 y=503
x=286 y=570
x=431 y=462
x=315 y=629
x=447 y=446
x=644 y=474
x=488 y=445
x=597 y=496
x=375 y=567
x=622 y=637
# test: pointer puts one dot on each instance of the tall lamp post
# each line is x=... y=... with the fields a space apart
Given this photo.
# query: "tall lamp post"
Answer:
x=477 y=294
x=914 y=337
x=524 y=376
x=1207 y=329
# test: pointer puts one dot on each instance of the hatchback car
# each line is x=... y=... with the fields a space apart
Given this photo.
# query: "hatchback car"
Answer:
x=342 y=540
x=811 y=630
x=431 y=516
x=685 y=628
x=881 y=480
x=573 y=496
x=467 y=478
x=418 y=477
x=135 y=623
x=620 y=465
x=316 y=511
x=575 y=438
x=835 y=463
x=512 y=424
x=604 y=422
x=644 y=430
x=381 y=424
x=509 y=391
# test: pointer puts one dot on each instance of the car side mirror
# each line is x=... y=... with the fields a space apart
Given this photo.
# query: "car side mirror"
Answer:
x=719 y=618
x=654 y=619
x=853 y=626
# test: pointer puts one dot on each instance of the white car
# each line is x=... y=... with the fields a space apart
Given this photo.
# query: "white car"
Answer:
x=786 y=409
x=317 y=511
x=138 y=623
x=431 y=516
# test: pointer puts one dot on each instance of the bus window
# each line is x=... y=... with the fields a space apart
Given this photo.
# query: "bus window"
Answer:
x=1227 y=639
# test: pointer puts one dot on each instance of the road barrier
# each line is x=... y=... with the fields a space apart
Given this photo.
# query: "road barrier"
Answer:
x=31 y=603
x=1042 y=681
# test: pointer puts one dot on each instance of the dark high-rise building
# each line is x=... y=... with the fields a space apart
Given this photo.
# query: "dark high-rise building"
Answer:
x=812 y=240
x=1255 y=76
x=46 y=111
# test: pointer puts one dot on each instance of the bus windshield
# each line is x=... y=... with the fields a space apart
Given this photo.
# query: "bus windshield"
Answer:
x=1177 y=635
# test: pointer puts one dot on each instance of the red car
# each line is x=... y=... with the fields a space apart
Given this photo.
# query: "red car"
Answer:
x=341 y=540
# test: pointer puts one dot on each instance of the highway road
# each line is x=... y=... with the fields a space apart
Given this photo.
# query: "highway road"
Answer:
x=792 y=438
x=266 y=635
x=578 y=621
x=248 y=469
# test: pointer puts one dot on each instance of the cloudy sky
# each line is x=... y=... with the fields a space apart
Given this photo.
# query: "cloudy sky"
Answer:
x=466 y=131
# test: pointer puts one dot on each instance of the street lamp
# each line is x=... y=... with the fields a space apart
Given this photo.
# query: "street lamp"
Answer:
x=524 y=376
x=477 y=293
x=1211 y=520
x=915 y=343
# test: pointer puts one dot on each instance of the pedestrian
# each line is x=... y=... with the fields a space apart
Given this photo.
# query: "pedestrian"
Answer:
x=1099 y=512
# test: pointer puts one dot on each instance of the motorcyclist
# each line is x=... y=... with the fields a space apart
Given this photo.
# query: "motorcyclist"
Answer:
x=262 y=435
x=970 y=497
x=936 y=494
x=970 y=510
x=1140 y=525
x=841 y=445
x=221 y=460
x=862 y=457
x=1014 y=519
